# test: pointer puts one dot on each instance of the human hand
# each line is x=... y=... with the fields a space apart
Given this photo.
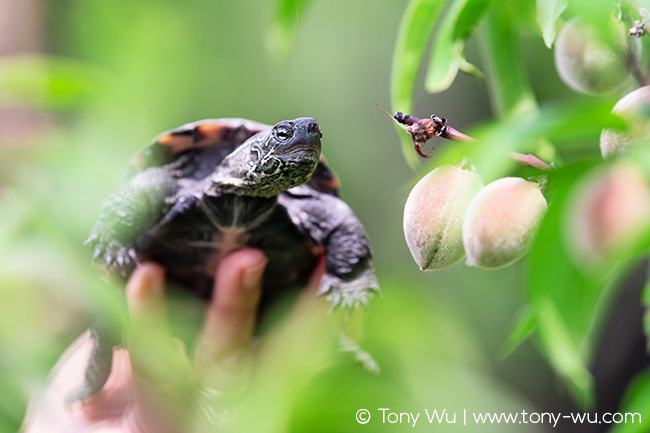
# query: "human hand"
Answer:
x=152 y=386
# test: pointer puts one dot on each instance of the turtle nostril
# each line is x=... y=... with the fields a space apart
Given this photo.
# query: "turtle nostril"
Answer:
x=313 y=128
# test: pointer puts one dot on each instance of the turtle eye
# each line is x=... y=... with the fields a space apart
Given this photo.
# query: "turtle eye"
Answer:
x=283 y=133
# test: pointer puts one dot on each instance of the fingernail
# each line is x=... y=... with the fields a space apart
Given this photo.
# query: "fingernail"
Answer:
x=252 y=276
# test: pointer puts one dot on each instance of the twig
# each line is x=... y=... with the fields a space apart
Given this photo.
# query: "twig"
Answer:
x=531 y=160
x=422 y=130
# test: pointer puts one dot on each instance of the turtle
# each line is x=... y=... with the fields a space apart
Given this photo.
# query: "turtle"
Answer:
x=210 y=187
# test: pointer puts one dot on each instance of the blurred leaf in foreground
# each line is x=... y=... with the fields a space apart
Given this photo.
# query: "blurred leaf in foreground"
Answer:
x=48 y=82
x=636 y=402
x=283 y=28
x=571 y=300
x=412 y=37
x=563 y=298
x=447 y=56
x=511 y=92
x=548 y=11
x=522 y=328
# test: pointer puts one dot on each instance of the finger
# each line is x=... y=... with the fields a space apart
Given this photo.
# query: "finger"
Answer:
x=145 y=295
x=159 y=388
x=147 y=330
x=231 y=316
x=152 y=349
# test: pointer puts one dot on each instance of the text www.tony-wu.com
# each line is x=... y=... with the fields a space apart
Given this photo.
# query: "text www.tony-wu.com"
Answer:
x=443 y=416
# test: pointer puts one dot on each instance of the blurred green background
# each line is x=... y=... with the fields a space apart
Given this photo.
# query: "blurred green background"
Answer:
x=86 y=83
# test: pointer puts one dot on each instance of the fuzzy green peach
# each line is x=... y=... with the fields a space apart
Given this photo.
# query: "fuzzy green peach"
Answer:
x=433 y=216
x=609 y=213
x=634 y=109
x=588 y=62
x=501 y=222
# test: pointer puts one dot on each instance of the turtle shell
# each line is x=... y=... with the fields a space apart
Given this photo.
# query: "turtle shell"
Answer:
x=225 y=133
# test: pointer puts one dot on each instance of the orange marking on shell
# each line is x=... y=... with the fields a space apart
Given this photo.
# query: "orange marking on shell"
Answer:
x=211 y=130
x=333 y=184
x=205 y=135
x=167 y=139
x=211 y=134
x=176 y=143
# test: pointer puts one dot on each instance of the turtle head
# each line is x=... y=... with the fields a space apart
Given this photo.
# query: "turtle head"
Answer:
x=272 y=161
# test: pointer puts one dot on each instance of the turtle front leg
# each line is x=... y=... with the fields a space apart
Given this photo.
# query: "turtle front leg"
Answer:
x=125 y=215
x=349 y=281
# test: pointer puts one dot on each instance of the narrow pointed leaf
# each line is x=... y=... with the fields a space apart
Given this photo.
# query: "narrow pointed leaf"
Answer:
x=510 y=89
x=564 y=299
x=282 y=31
x=519 y=333
x=548 y=11
x=447 y=55
x=635 y=407
x=412 y=37
x=571 y=302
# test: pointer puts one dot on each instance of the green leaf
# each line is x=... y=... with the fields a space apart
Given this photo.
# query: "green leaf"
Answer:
x=298 y=8
x=564 y=353
x=510 y=89
x=548 y=11
x=571 y=301
x=523 y=328
x=48 y=82
x=635 y=407
x=564 y=299
x=282 y=31
x=447 y=54
x=645 y=301
x=414 y=31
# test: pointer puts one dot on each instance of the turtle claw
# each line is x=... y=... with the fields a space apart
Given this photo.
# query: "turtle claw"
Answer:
x=120 y=261
x=114 y=257
x=351 y=294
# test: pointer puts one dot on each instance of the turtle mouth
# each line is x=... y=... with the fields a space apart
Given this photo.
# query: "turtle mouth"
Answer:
x=303 y=148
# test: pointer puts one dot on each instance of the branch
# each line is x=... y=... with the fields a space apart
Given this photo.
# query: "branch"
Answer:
x=531 y=160
x=422 y=130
